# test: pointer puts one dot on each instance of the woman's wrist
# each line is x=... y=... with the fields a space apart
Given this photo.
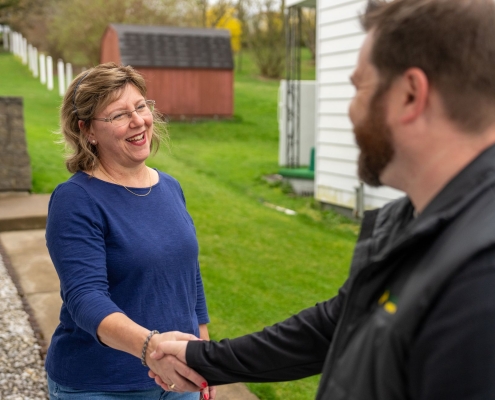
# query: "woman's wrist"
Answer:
x=147 y=347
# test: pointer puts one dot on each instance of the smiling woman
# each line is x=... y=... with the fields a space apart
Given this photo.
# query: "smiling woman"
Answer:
x=124 y=247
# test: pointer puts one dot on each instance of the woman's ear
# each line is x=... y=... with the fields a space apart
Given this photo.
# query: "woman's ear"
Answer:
x=82 y=127
x=87 y=131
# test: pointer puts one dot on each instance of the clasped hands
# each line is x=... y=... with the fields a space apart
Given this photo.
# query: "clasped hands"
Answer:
x=166 y=358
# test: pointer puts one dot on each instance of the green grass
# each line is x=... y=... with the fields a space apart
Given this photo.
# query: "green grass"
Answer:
x=41 y=122
x=259 y=266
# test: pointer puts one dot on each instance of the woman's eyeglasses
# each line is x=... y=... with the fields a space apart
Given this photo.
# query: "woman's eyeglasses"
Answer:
x=121 y=118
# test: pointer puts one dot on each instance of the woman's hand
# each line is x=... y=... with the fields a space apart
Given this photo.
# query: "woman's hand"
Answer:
x=169 y=372
x=177 y=349
x=209 y=393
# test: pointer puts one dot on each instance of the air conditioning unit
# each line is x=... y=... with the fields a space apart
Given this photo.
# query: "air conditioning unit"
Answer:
x=307 y=121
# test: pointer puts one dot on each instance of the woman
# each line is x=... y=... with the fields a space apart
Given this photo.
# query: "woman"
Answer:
x=124 y=248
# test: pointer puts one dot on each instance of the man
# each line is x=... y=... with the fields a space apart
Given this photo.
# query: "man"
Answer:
x=416 y=318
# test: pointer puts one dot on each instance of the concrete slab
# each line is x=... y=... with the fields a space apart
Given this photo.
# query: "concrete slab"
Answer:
x=28 y=253
x=20 y=211
x=46 y=307
x=237 y=391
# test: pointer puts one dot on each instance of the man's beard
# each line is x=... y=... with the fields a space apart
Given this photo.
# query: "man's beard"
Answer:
x=374 y=139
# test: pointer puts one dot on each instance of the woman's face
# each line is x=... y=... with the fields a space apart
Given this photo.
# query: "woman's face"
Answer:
x=127 y=145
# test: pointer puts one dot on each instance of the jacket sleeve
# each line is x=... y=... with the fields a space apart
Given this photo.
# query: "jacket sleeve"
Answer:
x=289 y=350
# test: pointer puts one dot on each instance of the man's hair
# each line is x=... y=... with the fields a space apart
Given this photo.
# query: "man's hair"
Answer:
x=452 y=41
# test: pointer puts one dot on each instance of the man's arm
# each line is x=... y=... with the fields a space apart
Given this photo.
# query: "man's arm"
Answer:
x=292 y=349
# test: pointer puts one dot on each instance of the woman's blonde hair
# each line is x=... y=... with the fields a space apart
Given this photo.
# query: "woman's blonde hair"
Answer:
x=90 y=92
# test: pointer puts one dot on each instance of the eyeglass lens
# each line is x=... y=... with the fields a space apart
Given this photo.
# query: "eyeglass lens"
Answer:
x=123 y=117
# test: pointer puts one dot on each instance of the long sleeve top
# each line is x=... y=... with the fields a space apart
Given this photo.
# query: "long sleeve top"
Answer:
x=116 y=252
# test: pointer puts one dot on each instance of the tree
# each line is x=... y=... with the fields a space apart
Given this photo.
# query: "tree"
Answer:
x=26 y=17
x=77 y=26
x=309 y=30
x=223 y=15
x=266 y=39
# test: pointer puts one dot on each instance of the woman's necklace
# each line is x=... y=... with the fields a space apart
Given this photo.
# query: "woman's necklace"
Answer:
x=125 y=187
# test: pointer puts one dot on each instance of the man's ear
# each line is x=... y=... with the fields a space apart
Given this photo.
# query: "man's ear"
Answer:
x=414 y=90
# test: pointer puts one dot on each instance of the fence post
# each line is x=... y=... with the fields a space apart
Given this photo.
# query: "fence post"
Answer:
x=42 y=69
x=49 y=73
x=35 y=62
x=6 y=36
x=18 y=44
x=68 y=75
x=24 y=50
x=14 y=43
x=30 y=57
x=61 y=77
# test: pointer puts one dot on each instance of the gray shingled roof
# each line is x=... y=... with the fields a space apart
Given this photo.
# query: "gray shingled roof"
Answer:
x=172 y=47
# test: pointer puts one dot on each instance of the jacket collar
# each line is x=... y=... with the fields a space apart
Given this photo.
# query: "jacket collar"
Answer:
x=395 y=226
x=464 y=186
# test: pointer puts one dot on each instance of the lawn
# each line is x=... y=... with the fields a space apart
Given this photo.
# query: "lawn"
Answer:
x=259 y=266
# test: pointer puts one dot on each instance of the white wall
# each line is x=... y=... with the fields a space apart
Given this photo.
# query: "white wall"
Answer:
x=339 y=37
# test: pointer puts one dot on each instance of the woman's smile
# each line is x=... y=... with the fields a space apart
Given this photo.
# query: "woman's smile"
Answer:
x=137 y=140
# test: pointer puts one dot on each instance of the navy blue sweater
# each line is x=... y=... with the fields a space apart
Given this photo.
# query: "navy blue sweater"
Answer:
x=116 y=252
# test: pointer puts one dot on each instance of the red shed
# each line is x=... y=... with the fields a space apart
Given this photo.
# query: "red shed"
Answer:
x=188 y=71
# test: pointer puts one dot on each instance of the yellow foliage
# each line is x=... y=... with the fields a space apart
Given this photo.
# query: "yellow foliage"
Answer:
x=226 y=19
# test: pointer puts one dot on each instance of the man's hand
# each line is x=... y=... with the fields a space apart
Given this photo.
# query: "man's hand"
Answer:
x=176 y=348
x=175 y=353
x=169 y=372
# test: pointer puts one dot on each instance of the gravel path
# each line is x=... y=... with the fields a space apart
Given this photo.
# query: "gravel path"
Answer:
x=22 y=374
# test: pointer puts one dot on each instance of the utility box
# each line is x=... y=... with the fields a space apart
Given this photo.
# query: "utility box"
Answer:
x=307 y=122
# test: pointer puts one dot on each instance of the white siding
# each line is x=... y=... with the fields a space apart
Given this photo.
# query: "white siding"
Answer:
x=339 y=38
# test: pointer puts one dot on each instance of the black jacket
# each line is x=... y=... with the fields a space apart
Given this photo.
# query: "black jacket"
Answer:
x=415 y=319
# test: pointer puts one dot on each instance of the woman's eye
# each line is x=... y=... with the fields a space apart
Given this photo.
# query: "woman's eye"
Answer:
x=141 y=107
x=118 y=117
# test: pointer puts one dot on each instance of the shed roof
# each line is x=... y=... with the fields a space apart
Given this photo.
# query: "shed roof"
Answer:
x=173 y=47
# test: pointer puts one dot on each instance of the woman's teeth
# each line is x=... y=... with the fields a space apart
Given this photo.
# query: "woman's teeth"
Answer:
x=136 y=138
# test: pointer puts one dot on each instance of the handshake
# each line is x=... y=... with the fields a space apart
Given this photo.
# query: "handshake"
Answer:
x=166 y=358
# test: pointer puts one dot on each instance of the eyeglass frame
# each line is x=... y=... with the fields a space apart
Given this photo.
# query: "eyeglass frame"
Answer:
x=129 y=113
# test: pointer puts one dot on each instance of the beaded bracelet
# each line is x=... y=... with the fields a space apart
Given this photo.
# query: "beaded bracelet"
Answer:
x=145 y=347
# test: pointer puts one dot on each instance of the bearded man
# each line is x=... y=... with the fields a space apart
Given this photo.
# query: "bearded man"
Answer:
x=416 y=317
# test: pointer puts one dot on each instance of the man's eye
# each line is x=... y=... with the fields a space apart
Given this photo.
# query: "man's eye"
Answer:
x=118 y=117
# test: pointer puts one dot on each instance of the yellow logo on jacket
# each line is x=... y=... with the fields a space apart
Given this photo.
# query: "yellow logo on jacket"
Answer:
x=388 y=302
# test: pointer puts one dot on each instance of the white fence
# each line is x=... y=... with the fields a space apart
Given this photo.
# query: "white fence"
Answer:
x=40 y=65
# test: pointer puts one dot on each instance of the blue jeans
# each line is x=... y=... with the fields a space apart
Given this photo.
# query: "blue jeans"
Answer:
x=58 y=392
